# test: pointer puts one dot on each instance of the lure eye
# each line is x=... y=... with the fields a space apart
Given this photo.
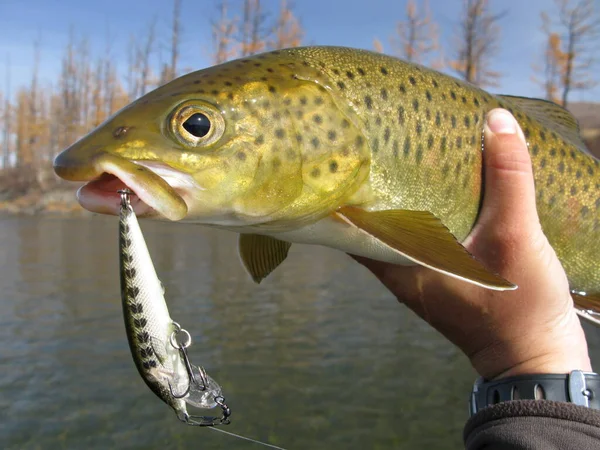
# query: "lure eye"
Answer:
x=196 y=124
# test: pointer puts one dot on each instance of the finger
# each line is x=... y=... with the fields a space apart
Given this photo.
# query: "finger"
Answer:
x=509 y=191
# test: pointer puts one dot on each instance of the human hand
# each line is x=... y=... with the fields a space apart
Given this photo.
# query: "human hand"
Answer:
x=533 y=329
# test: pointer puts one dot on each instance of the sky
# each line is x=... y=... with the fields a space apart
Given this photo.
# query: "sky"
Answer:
x=351 y=23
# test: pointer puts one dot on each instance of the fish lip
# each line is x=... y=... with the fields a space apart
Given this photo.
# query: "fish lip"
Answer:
x=100 y=193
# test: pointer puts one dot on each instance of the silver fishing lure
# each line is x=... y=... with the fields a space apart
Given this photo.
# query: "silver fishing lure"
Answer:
x=157 y=343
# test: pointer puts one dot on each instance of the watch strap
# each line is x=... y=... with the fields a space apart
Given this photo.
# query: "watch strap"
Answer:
x=578 y=387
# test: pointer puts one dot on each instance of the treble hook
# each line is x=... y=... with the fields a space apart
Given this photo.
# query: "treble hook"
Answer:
x=182 y=347
x=209 y=421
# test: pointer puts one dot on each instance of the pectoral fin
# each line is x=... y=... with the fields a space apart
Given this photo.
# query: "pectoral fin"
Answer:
x=424 y=239
x=261 y=254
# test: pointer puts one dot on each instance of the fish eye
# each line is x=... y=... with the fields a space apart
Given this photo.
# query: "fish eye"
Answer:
x=196 y=124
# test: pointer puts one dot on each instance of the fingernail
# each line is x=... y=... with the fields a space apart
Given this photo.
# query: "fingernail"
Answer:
x=501 y=121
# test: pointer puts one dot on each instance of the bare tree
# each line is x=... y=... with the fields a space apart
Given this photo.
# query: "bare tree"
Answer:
x=551 y=68
x=7 y=120
x=143 y=59
x=477 y=41
x=223 y=31
x=417 y=36
x=252 y=33
x=577 y=30
x=287 y=31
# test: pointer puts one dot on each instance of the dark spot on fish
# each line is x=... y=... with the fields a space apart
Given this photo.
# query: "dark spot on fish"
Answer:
x=590 y=170
x=315 y=142
x=597 y=203
x=276 y=115
x=553 y=152
x=419 y=154
x=120 y=132
x=415 y=104
x=341 y=85
x=272 y=89
x=445 y=169
x=384 y=94
x=331 y=135
x=299 y=114
x=578 y=174
x=428 y=114
x=276 y=163
x=386 y=134
x=359 y=141
x=444 y=145
x=368 y=102
x=378 y=121
x=230 y=96
x=197 y=81
x=542 y=136
x=561 y=167
x=375 y=146
x=406 y=149
x=345 y=123
x=438 y=119
x=473 y=139
x=412 y=80
x=317 y=119
x=402 y=89
x=428 y=95
x=315 y=173
x=241 y=156
x=464 y=99
x=453 y=95
x=303 y=100
x=475 y=102
x=430 y=142
x=350 y=75
x=550 y=180
x=260 y=139
x=459 y=141
x=228 y=83
x=214 y=92
x=543 y=163
x=419 y=127
x=383 y=70
x=395 y=148
x=336 y=72
x=319 y=101
x=435 y=83
x=467 y=120
x=584 y=211
x=266 y=104
x=270 y=70
x=563 y=153
x=280 y=133
x=360 y=71
x=401 y=115
x=573 y=190
x=453 y=120
x=535 y=150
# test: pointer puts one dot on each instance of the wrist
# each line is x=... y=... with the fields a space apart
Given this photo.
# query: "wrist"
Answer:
x=556 y=350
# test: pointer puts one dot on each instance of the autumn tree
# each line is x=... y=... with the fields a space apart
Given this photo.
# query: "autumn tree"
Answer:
x=253 y=29
x=169 y=71
x=477 y=43
x=287 y=31
x=417 y=36
x=6 y=120
x=223 y=30
x=572 y=39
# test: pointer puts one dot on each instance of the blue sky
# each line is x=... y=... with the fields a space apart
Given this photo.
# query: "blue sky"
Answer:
x=353 y=23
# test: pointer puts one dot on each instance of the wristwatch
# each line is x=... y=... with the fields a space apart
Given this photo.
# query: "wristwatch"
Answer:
x=578 y=387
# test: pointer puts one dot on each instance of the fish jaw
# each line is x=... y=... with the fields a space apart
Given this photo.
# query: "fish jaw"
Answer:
x=106 y=174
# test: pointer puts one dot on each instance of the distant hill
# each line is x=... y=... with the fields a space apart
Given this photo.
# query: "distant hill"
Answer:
x=588 y=115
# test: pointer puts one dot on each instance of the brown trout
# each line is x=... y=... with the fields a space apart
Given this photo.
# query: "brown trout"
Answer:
x=338 y=147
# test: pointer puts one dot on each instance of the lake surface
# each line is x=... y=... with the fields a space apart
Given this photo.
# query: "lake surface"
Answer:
x=318 y=356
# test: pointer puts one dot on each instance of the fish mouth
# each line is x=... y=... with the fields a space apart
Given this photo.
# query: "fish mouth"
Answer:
x=152 y=194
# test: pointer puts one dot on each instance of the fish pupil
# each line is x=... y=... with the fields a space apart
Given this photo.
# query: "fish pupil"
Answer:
x=197 y=125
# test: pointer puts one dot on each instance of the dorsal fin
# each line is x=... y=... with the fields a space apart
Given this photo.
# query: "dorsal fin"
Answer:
x=552 y=116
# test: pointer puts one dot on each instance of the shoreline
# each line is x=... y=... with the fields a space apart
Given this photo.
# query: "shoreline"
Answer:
x=56 y=202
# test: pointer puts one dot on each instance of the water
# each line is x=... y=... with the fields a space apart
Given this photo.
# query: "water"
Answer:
x=318 y=356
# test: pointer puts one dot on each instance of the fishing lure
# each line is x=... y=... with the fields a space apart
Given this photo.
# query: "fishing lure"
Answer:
x=157 y=343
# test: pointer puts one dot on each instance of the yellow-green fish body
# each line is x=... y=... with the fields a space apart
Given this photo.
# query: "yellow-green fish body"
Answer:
x=346 y=148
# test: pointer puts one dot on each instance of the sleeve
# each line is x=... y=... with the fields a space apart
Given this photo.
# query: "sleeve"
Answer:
x=533 y=425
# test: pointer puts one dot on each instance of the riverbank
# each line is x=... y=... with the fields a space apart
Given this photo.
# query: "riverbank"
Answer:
x=59 y=201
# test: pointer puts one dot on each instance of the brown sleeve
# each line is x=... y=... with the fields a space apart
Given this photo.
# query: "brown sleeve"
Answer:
x=533 y=425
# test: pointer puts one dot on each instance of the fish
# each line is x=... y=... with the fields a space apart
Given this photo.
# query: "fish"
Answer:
x=158 y=344
x=340 y=147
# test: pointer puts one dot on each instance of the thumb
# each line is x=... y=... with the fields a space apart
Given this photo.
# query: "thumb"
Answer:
x=509 y=190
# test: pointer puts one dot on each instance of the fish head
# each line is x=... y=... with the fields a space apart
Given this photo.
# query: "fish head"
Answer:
x=252 y=141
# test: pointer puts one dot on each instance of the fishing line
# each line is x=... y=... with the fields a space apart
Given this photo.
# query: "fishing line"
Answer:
x=221 y=430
